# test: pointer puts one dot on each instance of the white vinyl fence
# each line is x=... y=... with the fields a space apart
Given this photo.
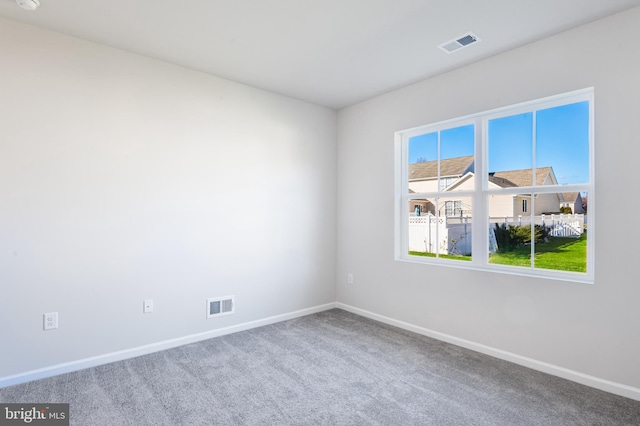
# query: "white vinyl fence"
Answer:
x=452 y=234
x=559 y=225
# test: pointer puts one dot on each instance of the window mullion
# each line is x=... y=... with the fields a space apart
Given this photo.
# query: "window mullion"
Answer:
x=534 y=164
x=437 y=248
x=480 y=227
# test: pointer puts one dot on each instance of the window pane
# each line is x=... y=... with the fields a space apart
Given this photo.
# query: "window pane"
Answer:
x=423 y=228
x=510 y=238
x=423 y=163
x=444 y=236
x=510 y=148
x=455 y=214
x=562 y=142
x=561 y=240
x=456 y=158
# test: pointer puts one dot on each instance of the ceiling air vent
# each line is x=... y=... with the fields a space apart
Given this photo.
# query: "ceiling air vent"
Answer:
x=460 y=42
x=217 y=306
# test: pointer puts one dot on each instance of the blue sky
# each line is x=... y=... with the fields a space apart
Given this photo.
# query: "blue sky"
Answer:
x=562 y=142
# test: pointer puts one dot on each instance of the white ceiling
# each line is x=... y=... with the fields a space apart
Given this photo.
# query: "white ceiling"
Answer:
x=328 y=52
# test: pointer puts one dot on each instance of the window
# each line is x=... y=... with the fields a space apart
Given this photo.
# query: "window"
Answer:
x=445 y=182
x=498 y=190
x=453 y=208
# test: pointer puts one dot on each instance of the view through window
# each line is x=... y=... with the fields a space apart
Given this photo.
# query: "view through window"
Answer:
x=507 y=189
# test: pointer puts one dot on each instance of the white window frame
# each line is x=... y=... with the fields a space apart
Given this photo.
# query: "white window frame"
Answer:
x=481 y=191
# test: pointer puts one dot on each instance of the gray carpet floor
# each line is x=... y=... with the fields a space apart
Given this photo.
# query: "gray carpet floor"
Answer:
x=330 y=368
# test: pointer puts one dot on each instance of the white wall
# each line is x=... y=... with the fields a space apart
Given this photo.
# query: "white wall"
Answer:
x=124 y=178
x=590 y=329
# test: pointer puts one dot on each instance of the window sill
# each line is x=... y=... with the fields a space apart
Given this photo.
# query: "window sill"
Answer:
x=584 y=278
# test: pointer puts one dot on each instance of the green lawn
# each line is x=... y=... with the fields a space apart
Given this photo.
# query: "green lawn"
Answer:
x=565 y=254
x=442 y=256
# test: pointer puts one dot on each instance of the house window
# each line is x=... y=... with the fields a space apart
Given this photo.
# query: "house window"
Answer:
x=445 y=182
x=497 y=182
x=453 y=208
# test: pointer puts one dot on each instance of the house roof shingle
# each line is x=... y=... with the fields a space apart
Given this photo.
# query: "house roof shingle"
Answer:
x=523 y=177
x=570 y=197
x=460 y=165
x=449 y=167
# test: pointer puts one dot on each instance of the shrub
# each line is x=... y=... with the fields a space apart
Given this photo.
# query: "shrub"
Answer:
x=509 y=237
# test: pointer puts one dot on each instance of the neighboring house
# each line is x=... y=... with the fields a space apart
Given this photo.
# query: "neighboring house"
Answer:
x=423 y=177
x=420 y=207
x=458 y=174
x=573 y=200
x=521 y=203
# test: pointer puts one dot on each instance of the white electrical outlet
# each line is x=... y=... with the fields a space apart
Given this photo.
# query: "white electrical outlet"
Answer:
x=50 y=320
x=349 y=278
x=147 y=306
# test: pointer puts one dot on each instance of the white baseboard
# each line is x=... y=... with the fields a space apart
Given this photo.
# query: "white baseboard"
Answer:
x=81 y=364
x=575 y=376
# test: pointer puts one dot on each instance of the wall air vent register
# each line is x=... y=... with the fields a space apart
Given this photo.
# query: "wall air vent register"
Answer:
x=459 y=42
x=217 y=306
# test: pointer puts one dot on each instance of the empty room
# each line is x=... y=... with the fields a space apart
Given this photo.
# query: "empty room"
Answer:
x=292 y=212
